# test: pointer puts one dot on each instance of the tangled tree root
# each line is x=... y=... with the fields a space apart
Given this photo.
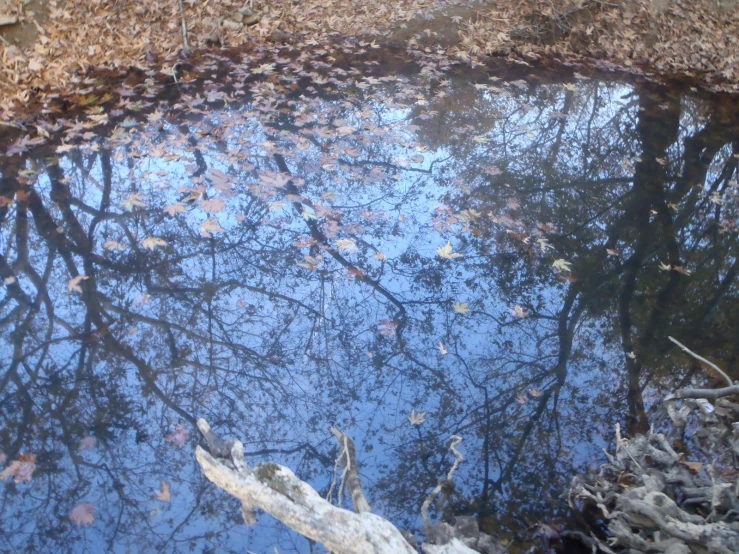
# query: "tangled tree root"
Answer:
x=654 y=500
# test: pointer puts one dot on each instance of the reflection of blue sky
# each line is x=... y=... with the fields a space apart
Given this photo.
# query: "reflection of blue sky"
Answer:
x=297 y=369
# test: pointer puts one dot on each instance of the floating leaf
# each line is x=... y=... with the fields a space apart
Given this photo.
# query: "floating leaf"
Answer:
x=213 y=205
x=152 y=242
x=562 y=265
x=346 y=245
x=461 y=307
x=694 y=467
x=176 y=208
x=311 y=263
x=417 y=418
x=83 y=514
x=544 y=245
x=74 y=284
x=21 y=470
x=446 y=252
x=309 y=213
x=134 y=201
x=179 y=436
x=164 y=495
x=387 y=327
x=88 y=443
x=114 y=245
x=353 y=272
x=210 y=226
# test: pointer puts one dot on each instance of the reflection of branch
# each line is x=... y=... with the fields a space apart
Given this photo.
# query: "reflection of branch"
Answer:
x=320 y=237
x=391 y=166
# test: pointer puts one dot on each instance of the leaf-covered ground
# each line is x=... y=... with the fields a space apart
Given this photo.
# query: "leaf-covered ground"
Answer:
x=56 y=42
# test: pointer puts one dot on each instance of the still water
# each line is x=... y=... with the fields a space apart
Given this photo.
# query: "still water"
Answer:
x=398 y=245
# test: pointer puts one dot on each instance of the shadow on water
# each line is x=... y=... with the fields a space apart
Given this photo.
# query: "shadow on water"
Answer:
x=299 y=240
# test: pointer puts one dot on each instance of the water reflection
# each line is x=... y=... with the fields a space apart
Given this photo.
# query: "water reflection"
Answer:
x=270 y=253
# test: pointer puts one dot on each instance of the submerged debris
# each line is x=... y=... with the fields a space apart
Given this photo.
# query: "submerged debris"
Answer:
x=654 y=497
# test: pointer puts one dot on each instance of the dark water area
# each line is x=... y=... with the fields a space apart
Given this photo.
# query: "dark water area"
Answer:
x=401 y=246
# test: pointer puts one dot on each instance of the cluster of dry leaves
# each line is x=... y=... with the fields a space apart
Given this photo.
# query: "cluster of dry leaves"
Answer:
x=61 y=39
x=681 y=38
x=57 y=42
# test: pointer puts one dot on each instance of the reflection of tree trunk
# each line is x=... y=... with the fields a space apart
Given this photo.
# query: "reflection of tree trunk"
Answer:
x=657 y=126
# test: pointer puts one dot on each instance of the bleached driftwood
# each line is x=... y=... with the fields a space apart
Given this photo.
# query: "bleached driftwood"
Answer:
x=276 y=490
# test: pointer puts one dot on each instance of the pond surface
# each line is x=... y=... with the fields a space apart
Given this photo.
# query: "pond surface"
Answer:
x=400 y=246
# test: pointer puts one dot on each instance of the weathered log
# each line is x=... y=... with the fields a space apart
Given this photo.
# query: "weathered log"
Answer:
x=276 y=490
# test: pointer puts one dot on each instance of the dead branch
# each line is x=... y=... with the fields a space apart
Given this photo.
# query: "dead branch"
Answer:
x=348 y=459
x=711 y=394
x=184 y=25
x=276 y=490
x=449 y=482
x=702 y=359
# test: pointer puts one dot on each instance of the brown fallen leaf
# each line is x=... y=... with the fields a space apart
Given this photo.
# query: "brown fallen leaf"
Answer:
x=21 y=470
x=694 y=467
x=88 y=443
x=179 y=436
x=83 y=514
x=164 y=495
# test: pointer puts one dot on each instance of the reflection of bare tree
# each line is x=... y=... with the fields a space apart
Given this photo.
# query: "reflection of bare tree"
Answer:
x=324 y=301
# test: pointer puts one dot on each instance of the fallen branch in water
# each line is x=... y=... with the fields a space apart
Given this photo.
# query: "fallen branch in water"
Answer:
x=711 y=394
x=276 y=490
x=713 y=366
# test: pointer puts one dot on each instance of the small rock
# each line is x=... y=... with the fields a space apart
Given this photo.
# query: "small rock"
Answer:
x=237 y=17
x=7 y=19
x=232 y=25
x=246 y=11
x=252 y=20
x=279 y=36
x=212 y=38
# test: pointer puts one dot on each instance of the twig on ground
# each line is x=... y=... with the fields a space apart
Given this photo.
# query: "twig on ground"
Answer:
x=184 y=25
